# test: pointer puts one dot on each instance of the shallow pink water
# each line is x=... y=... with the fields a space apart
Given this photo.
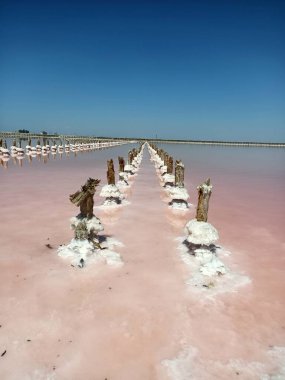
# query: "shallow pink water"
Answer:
x=122 y=323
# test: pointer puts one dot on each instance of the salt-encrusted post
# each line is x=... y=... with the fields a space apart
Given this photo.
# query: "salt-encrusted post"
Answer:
x=165 y=158
x=84 y=198
x=86 y=225
x=121 y=164
x=178 y=194
x=170 y=165
x=202 y=237
x=110 y=191
x=204 y=194
x=179 y=174
x=122 y=175
x=130 y=157
x=110 y=172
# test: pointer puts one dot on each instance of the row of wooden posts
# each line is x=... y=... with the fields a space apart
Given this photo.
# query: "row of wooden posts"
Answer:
x=122 y=167
x=204 y=190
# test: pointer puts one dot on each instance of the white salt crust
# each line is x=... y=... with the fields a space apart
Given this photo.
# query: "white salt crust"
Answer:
x=110 y=191
x=122 y=183
x=201 y=232
x=181 y=206
x=178 y=193
x=168 y=178
x=210 y=265
x=129 y=169
x=208 y=273
x=189 y=365
x=78 y=250
x=163 y=169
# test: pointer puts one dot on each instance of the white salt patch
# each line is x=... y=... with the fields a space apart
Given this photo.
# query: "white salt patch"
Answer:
x=110 y=191
x=210 y=264
x=208 y=273
x=179 y=205
x=78 y=250
x=111 y=257
x=178 y=193
x=129 y=169
x=189 y=365
x=168 y=178
x=201 y=232
x=111 y=242
x=122 y=184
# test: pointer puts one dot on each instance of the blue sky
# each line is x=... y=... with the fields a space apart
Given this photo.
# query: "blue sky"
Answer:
x=176 y=69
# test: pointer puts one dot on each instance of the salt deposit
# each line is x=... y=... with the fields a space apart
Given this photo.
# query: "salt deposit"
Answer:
x=189 y=365
x=201 y=232
x=83 y=252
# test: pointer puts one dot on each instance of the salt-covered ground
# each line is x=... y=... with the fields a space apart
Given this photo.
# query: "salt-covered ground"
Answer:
x=144 y=319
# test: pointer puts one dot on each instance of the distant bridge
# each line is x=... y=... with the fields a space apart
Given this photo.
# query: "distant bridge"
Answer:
x=41 y=136
x=76 y=138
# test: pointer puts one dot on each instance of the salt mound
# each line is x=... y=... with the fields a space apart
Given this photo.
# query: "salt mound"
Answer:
x=210 y=264
x=82 y=252
x=110 y=191
x=201 y=233
x=178 y=193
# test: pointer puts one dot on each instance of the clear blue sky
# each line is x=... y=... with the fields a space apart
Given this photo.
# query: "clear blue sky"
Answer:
x=176 y=69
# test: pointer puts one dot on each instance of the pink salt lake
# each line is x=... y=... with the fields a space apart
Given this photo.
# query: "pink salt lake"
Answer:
x=141 y=321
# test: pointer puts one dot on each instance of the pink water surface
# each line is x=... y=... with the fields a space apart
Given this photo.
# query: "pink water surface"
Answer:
x=100 y=322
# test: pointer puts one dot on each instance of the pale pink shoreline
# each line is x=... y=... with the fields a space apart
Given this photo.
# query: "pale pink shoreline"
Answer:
x=121 y=323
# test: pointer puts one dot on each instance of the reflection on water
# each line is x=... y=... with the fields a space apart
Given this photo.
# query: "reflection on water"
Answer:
x=17 y=156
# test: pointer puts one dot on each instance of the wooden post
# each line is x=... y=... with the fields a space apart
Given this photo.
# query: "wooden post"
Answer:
x=130 y=157
x=110 y=173
x=179 y=174
x=121 y=164
x=170 y=165
x=204 y=193
x=84 y=198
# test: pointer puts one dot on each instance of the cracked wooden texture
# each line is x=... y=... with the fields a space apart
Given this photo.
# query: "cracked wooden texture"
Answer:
x=84 y=198
x=121 y=164
x=110 y=172
x=179 y=174
x=204 y=194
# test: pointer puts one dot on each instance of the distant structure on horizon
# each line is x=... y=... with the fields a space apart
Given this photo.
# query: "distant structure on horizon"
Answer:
x=26 y=135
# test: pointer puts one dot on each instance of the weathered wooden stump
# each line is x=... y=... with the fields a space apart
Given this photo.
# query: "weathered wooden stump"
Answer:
x=110 y=191
x=179 y=174
x=110 y=172
x=84 y=198
x=86 y=225
x=121 y=164
x=130 y=157
x=170 y=165
x=204 y=194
